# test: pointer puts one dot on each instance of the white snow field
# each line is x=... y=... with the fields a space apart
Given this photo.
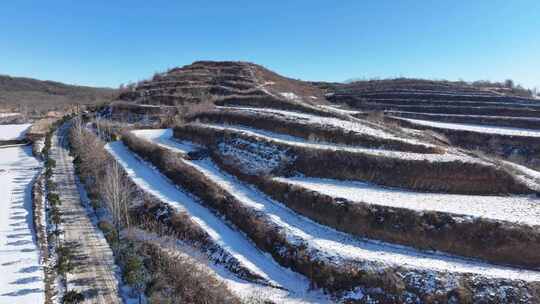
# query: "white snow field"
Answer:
x=516 y=209
x=332 y=243
x=229 y=239
x=21 y=274
x=301 y=142
x=13 y=132
x=508 y=131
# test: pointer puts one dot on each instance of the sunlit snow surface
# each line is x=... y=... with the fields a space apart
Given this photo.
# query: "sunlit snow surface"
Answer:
x=509 y=131
x=21 y=275
x=516 y=209
x=12 y=132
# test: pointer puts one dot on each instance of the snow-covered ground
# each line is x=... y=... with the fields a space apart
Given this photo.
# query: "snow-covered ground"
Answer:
x=158 y=135
x=13 y=132
x=228 y=238
x=290 y=96
x=333 y=244
x=301 y=142
x=508 y=131
x=517 y=209
x=3 y=115
x=435 y=115
x=21 y=274
x=340 y=110
x=355 y=126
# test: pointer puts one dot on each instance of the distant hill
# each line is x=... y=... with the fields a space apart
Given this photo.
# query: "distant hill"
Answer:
x=507 y=88
x=15 y=91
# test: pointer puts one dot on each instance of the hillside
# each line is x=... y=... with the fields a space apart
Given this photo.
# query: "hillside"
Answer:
x=221 y=83
x=296 y=197
x=475 y=117
x=15 y=91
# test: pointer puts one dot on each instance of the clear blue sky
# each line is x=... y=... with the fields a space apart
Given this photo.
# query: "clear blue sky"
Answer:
x=106 y=43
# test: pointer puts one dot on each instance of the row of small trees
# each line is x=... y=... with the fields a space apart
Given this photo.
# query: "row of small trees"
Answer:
x=63 y=252
x=110 y=190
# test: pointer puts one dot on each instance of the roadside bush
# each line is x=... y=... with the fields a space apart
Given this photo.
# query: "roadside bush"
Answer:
x=111 y=234
x=72 y=297
x=180 y=279
x=65 y=259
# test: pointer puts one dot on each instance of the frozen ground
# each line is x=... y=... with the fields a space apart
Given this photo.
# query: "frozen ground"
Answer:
x=228 y=238
x=13 y=132
x=516 y=209
x=21 y=274
x=475 y=128
x=332 y=243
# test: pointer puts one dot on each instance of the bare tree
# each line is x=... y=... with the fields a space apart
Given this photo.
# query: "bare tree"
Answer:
x=117 y=193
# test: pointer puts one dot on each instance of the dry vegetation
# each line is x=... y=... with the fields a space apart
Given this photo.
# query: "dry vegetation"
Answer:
x=499 y=242
x=266 y=235
x=452 y=177
x=313 y=132
x=108 y=187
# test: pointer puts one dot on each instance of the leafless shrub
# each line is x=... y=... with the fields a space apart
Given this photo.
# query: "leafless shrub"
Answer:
x=118 y=194
x=181 y=279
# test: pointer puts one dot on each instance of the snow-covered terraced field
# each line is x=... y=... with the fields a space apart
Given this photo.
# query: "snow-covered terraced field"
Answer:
x=435 y=115
x=13 y=132
x=348 y=126
x=507 y=131
x=333 y=244
x=228 y=238
x=21 y=272
x=515 y=209
x=301 y=142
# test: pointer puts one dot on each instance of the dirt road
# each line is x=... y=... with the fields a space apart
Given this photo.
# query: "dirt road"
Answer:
x=94 y=271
